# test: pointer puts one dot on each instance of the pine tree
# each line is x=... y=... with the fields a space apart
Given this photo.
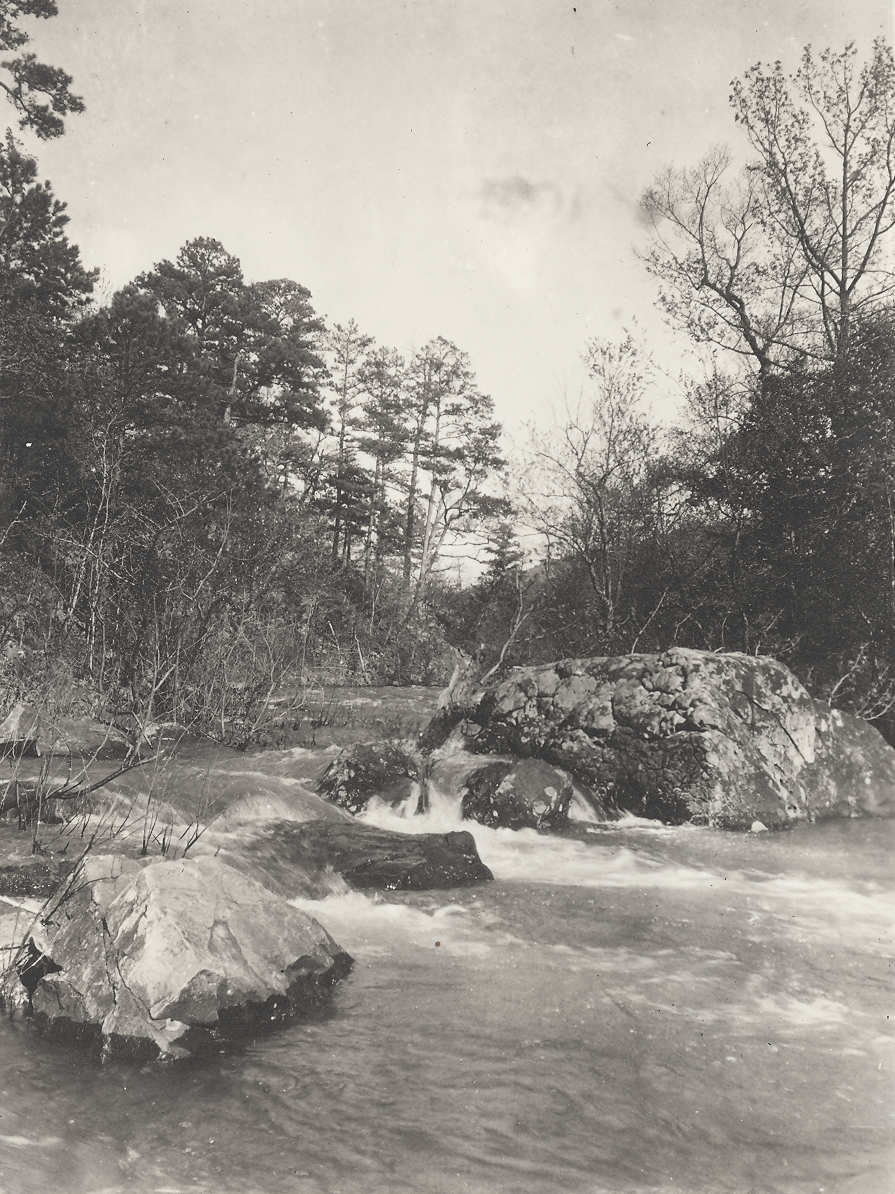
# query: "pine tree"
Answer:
x=347 y=346
x=40 y=94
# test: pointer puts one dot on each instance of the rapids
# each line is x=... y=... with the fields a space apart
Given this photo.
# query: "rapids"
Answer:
x=626 y=1008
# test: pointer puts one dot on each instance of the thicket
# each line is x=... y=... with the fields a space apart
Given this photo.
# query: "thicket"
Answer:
x=209 y=499
x=207 y=495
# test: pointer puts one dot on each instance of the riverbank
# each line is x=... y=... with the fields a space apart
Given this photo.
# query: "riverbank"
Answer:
x=626 y=1008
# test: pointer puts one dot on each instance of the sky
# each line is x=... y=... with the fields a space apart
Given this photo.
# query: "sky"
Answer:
x=462 y=168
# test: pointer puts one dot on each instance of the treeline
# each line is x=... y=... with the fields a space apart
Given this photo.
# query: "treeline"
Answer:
x=205 y=490
x=208 y=497
x=764 y=522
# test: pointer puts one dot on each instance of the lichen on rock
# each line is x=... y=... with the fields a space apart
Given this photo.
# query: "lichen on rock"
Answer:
x=367 y=770
x=714 y=739
x=528 y=794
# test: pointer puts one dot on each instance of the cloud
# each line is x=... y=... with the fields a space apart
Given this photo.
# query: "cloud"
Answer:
x=630 y=203
x=514 y=199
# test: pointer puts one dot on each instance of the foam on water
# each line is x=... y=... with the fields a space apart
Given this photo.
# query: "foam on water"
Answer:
x=796 y=1014
x=629 y=1006
x=792 y=905
x=368 y=926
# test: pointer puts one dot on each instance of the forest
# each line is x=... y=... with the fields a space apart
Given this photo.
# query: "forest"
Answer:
x=209 y=497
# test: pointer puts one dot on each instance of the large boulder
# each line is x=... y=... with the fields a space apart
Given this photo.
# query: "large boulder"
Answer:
x=367 y=770
x=722 y=740
x=169 y=958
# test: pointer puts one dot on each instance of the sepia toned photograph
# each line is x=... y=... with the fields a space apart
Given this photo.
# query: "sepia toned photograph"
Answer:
x=447 y=597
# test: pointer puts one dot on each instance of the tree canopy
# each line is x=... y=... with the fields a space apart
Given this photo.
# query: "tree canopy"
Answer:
x=209 y=493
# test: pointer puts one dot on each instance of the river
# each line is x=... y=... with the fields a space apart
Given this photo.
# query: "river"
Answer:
x=624 y=1010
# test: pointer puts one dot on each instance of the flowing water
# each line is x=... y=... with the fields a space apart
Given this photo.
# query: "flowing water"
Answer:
x=625 y=1009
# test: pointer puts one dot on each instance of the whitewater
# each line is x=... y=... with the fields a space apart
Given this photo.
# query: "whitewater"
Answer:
x=627 y=1008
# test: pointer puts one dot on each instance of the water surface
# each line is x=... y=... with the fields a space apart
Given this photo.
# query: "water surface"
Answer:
x=623 y=1010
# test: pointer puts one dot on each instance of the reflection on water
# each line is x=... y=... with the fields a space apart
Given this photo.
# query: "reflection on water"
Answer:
x=623 y=1010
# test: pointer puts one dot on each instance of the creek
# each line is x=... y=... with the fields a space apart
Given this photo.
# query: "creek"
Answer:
x=625 y=1009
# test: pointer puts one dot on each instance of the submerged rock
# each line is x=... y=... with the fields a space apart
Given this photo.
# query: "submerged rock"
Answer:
x=527 y=794
x=722 y=740
x=170 y=958
x=33 y=876
x=365 y=770
x=294 y=804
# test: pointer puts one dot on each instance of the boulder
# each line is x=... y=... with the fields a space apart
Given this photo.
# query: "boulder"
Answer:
x=83 y=738
x=851 y=763
x=721 y=740
x=170 y=959
x=319 y=858
x=527 y=794
x=365 y=770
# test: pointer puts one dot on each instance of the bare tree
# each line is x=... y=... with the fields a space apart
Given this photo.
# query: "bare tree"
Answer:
x=778 y=260
x=586 y=490
x=720 y=279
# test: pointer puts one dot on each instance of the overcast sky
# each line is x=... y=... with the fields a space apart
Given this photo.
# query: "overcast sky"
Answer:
x=464 y=168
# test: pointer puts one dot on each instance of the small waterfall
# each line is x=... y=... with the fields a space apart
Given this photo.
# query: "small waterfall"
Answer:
x=434 y=803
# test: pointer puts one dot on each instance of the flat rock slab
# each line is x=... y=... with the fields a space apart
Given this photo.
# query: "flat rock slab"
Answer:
x=319 y=858
x=370 y=858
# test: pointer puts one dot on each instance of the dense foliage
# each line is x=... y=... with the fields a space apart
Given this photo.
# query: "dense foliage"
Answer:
x=206 y=496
